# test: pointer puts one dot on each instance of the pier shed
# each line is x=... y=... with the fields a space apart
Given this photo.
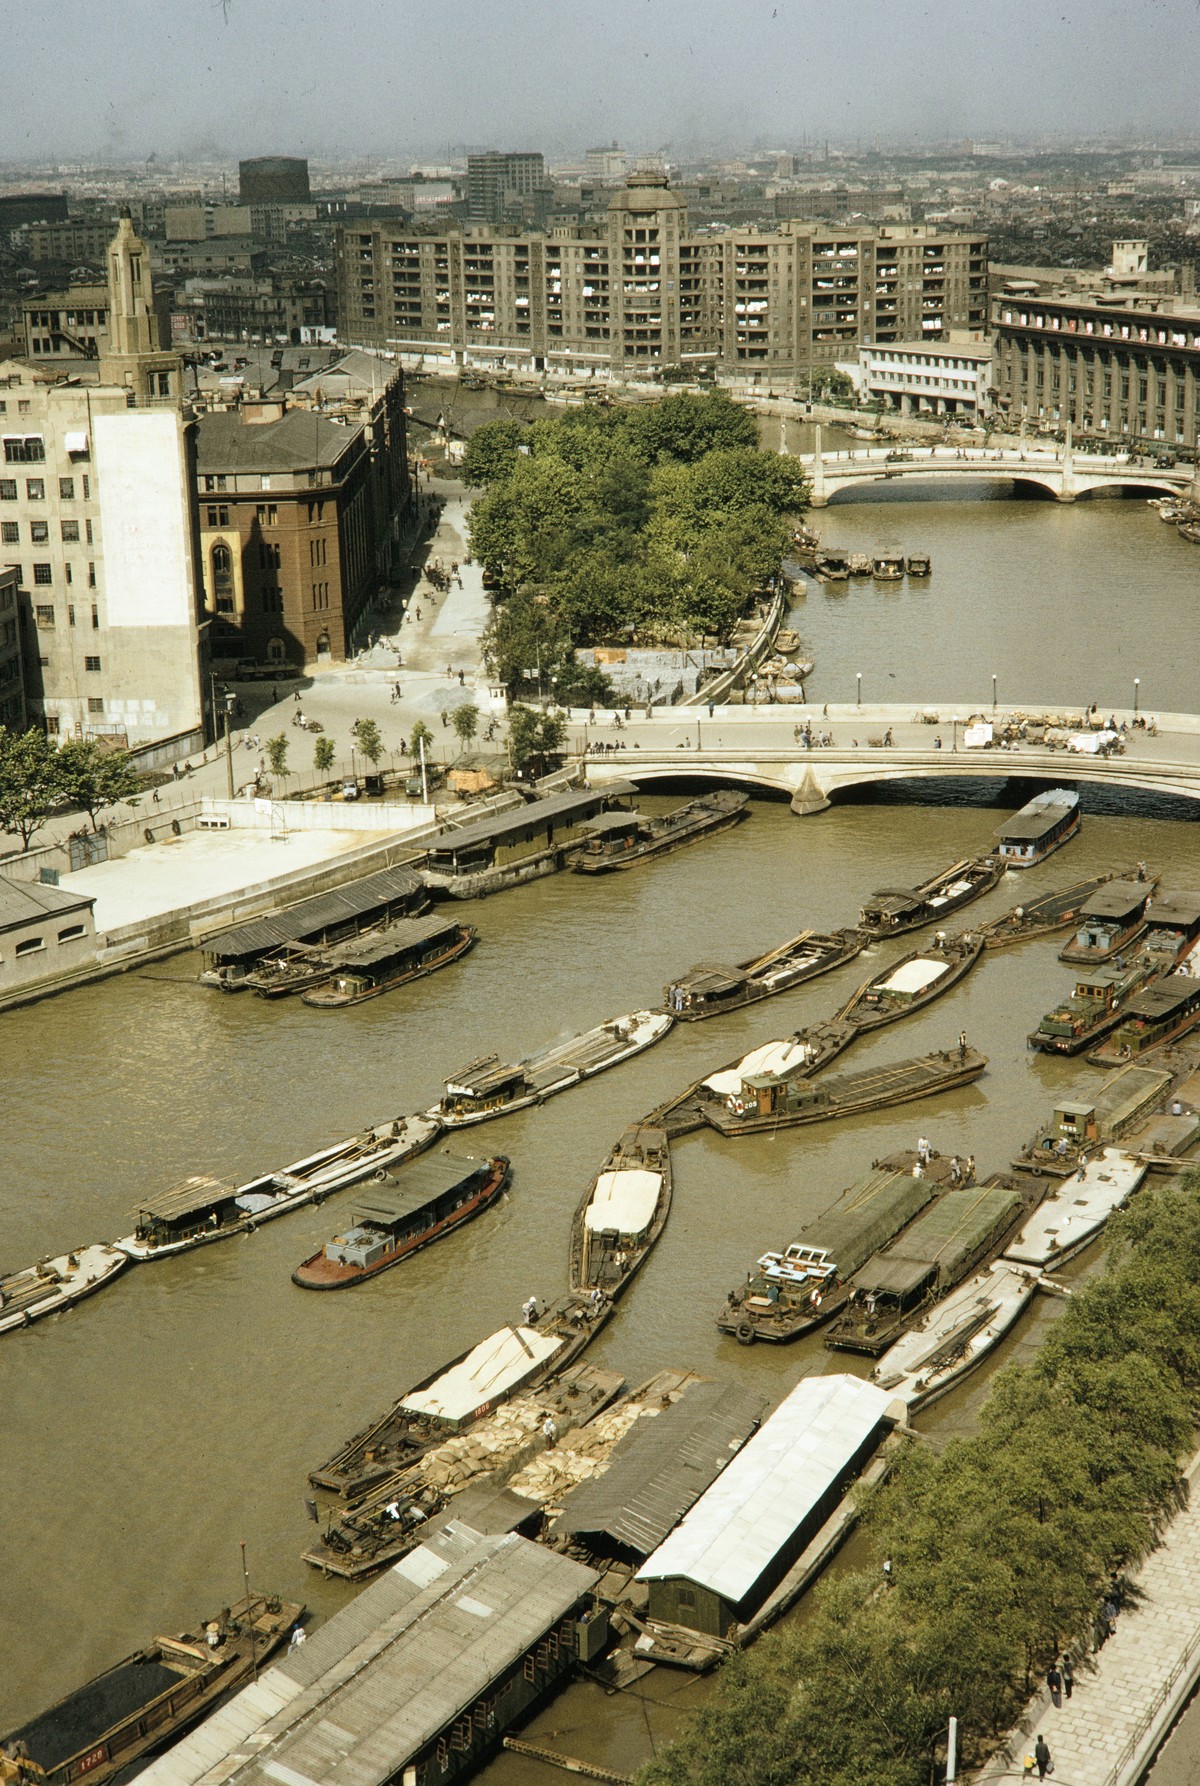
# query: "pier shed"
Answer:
x=414 y=1681
x=715 y=1570
x=330 y=917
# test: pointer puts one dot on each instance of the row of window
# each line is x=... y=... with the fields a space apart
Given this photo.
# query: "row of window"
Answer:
x=44 y=614
x=35 y=490
x=35 y=945
x=39 y=532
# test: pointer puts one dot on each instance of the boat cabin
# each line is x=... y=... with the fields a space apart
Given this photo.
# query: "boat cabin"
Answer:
x=891 y=909
x=1076 y=1123
x=789 y=1276
x=188 y=1209
x=1092 y=998
x=767 y=1095
x=1174 y=923
x=1167 y=1008
x=387 y=957
x=611 y=833
x=232 y=955
x=526 y=831
x=708 y=987
x=386 y=1217
x=888 y=567
x=1111 y=916
x=1039 y=827
x=485 y=1084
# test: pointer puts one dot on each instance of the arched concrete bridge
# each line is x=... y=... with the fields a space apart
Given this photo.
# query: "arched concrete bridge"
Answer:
x=752 y=753
x=1064 y=472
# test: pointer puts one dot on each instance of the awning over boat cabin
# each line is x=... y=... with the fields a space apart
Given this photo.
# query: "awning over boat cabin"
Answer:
x=537 y=815
x=1175 y=911
x=421 y=1183
x=711 y=980
x=490 y=1371
x=612 y=824
x=1164 y=1000
x=392 y=941
x=313 y=917
x=623 y=1202
x=893 y=903
x=1117 y=899
x=191 y=1197
x=900 y=1278
x=1034 y=821
x=484 y=1078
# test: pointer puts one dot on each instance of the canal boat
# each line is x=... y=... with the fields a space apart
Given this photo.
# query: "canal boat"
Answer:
x=622 y=1213
x=1041 y=916
x=484 y=856
x=769 y=1102
x=1173 y=928
x=232 y=957
x=948 y=1240
x=1042 y=826
x=1094 y=1008
x=56 y=1284
x=833 y=567
x=290 y=969
x=912 y=983
x=205 y=1209
x=860 y=564
x=796 y=1056
x=1160 y=1013
x=887 y=567
x=391 y=957
x=518 y=1356
x=1078 y=1125
x=490 y=1087
x=464 y=1476
x=617 y=840
x=147 y=1700
x=787 y=1294
x=392 y=1221
x=712 y=988
x=1075 y=1212
x=955 y=1336
x=1112 y=919
x=894 y=910
x=917 y=564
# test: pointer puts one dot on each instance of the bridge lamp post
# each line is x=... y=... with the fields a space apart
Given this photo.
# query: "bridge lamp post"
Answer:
x=858 y=697
x=993 y=697
x=1137 y=683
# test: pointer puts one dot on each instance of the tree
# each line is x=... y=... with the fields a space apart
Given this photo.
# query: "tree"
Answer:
x=93 y=776
x=465 y=720
x=277 y=753
x=534 y=736
x=324 y=752
x=369 y=740
x=688 y=425
x=492 y=451
x=30 y=783
x=421 y=735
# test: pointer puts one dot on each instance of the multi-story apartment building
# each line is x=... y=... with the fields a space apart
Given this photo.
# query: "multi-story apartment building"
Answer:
x=269 y=309
x=302 y=499
x=642 y=295
x=78 y=240
x=496 y=176
x=96 y=520
x=274 y=180
x=1118 y=356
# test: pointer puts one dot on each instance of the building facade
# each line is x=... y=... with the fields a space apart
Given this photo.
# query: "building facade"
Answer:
x=496 y=177
x=268 y=309
x=918 y=378
x=13 y=714
x=45 y=932
x=644 y=296
x=273 y=180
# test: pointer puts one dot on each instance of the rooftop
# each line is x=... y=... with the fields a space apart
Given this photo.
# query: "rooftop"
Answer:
x=25 y=902
x=298 y=441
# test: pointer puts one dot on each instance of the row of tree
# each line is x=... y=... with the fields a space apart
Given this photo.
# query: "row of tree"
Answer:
x=39 y=777
x=611 y=525
x=1001 y=1546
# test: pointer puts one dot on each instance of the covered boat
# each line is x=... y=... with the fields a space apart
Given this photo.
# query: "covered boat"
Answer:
x=620 y=839
x=1040 y=916
x=1109 y=921
x=710 y=989
x=233 y=956
x=1159 y=1013
x=394 y=1220
x=1172 y=927
x=945 y=1242
x=1094 y=1008
x=204 y=1209
x=955 y=1336
x=796 y=1056
x=144 y=1702
x=485 y=855
x=1079 y=1124
x=917 y=564
x=622 y=1214
x=290 y=969
x=893 y=910
x=769 y=1101
x=389 y=958
x=56 y=1284
x=887 y=567
x=490 y=1087
x=789 y=1293
x=1043 y=825
x=912 y=983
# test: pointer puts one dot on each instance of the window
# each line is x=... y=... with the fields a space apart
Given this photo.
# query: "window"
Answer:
x=44 y=614
x=71 y=933
x=87 y=527
x=95 y=703
x=92 y=583
x=218 y=515
x=30 y=946
x=66 y=489
x=10 y=532
x=8 y=489
x=91 y=663
x=95 y=618
x=28 y=449
x=68 y=573
x=214 y=483
x=39 y=532
x=70 y=530
x=87 y=487
x=268 y=514
x=43 y=573
x=35 y=489
x=70 y=612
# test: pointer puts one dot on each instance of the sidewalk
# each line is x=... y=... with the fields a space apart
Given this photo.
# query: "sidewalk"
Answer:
x=1128 y=1695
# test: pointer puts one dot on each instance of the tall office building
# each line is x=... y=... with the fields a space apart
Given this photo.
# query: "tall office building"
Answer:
x=496 y=177
x=273 y=180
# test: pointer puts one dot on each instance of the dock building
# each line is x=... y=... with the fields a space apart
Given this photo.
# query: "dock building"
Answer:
x=414 y=1681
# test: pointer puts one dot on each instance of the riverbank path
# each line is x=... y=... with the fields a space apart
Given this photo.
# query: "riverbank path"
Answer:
x=1128 y=1695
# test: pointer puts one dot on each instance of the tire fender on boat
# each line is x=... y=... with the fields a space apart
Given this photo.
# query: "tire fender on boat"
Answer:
x=745 y=1333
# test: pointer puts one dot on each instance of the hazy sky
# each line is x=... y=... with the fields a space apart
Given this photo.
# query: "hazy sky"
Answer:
x=241 y=77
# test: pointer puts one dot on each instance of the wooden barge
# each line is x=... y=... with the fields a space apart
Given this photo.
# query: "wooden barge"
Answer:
x=617 y=840
x=1075 y=1211
x=205 y=1209
x=893 y=910
x=490 y=1087
x=799 y=1056
x=622 y=1213
x=1042 y=826
x=955 y=1336
x=711 y=989
x=147 y=1700
x=781 y=1103
x=391 y=957
x=393 y=1221
x=911 y=983
x=1095 y=1007
x=234 y=957
x=486 y=855
x=56 y=1284
x=1160 y=1013
x=1041 y=916
x=1079 y=1125
x=1112 y=919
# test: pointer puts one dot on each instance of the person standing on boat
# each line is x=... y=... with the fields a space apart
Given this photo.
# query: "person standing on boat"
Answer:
x=530 y=1311
x=550 y=1431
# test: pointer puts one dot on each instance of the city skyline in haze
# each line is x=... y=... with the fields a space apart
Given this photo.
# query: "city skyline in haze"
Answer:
x=124 y=80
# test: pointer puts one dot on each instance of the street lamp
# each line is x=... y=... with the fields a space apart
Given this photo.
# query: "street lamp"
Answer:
x=1137 y=683
x=993 y=697
x=230 y=704
x=858 y=697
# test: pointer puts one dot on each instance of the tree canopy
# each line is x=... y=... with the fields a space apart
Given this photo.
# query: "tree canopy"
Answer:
x=650 y=524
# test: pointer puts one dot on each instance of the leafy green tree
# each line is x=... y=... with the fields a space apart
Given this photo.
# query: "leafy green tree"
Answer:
x=421 y=735
x=277 y=753
x=93 y=776
x=524 y=527
x=465 y=720
x=370 y=741
x=533 y=737
x=30 y=783
x=324 y=755
x=492 y=451
x=688 y=425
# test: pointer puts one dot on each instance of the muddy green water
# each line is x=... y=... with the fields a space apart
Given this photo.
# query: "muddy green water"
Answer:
x=146 y=1433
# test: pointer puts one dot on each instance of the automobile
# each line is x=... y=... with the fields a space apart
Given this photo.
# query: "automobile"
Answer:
x=349 y=790
x=1165 y=462
x=899 y=453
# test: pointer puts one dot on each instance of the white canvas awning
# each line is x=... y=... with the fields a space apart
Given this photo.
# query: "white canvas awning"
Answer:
x=624 y=1202
x=491 y=1370
x=773 y=1058
x=913 y=977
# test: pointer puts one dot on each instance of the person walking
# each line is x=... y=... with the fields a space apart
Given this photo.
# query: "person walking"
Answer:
x=1054 y=1681
x=1068 y=1676
x=1041 y=1754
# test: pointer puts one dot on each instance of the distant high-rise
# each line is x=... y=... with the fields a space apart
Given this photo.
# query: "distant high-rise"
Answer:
x=496 y=176
x=606 y=165
x=273 y=180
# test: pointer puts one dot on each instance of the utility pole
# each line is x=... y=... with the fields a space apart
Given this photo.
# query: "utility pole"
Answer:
x=230 y=703
x=952 y=1752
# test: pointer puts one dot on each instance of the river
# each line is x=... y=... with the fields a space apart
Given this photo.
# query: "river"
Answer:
x=148 y=1432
